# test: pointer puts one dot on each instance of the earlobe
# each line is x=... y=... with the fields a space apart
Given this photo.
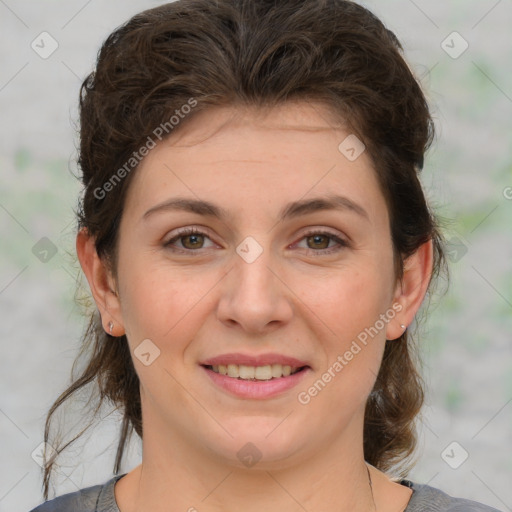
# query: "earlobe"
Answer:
x=411 y=289
x=101 y=283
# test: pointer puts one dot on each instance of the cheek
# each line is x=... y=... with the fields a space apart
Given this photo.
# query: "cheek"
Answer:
x=161 y=303
x=354 y=339
x=348 y=299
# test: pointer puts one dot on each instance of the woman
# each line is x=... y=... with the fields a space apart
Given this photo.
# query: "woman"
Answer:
x=257 y=242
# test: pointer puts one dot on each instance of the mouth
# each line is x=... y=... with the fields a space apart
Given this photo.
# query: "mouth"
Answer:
x=261 y=382
x=255 y=373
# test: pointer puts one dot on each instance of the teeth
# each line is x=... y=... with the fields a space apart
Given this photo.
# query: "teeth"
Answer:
x=247 y=372
x=263 y=372
x=266 y=372
x=233 y=370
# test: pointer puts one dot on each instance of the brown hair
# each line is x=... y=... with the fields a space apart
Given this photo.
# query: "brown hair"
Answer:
x=259 y=53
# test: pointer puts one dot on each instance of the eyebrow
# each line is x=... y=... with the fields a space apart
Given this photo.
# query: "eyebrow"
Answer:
x=291 y=210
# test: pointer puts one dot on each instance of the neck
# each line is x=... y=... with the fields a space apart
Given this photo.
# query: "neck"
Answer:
x=177 y=475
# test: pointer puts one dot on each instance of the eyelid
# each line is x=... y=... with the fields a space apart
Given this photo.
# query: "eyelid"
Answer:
x=185 y=231
x=339 y=238
x=200 y=230
x=342 y=240
x=325 y=231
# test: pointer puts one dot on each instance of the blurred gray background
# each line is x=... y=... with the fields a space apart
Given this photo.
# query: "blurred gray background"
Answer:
x=461 y=51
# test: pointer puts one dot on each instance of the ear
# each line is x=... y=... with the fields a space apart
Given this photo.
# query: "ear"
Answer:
x=411 y=289
x=101 y=283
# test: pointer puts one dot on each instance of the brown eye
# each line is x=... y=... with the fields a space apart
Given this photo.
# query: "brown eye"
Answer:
x=190 y=241
x=318 y=241
x=194 y=241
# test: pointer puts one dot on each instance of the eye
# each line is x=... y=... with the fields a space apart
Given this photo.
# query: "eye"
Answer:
x=320 y=242
x=191 y=239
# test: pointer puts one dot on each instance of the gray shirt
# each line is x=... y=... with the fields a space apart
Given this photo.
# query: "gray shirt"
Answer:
x=100 y=498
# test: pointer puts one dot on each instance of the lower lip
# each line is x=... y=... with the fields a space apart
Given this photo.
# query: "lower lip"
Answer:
x=253 y=388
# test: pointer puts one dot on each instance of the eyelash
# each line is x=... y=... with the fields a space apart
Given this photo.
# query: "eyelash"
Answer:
x=194 y=231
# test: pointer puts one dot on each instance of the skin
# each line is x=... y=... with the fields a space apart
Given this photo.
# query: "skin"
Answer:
x=294 y=299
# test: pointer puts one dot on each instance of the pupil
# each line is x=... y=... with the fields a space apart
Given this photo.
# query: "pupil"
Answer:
x=193 y=240
x=317 y=240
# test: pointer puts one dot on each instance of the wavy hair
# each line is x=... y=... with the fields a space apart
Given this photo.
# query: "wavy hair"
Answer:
x=258 y=53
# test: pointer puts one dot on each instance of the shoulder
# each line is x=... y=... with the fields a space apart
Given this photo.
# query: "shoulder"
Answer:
x=97 y=498
x=430 y=499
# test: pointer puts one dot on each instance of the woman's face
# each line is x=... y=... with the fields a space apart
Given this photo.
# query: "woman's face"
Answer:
x=291 y=264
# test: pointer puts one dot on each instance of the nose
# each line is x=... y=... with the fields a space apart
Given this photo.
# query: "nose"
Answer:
x=255 y=296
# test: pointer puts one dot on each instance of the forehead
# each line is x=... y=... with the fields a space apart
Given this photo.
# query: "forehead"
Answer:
x=297 y=117
x=284 y=153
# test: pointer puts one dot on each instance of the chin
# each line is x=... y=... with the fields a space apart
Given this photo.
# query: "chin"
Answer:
x=262 y=442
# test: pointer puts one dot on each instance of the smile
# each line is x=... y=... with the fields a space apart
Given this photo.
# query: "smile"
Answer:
x=266 y=372
x=255 y=382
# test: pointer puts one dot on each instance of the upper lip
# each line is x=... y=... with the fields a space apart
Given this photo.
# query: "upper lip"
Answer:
x=254 y=360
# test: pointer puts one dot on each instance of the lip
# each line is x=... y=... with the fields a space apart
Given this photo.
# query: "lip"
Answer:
x=253 y=389
x=254 y=360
